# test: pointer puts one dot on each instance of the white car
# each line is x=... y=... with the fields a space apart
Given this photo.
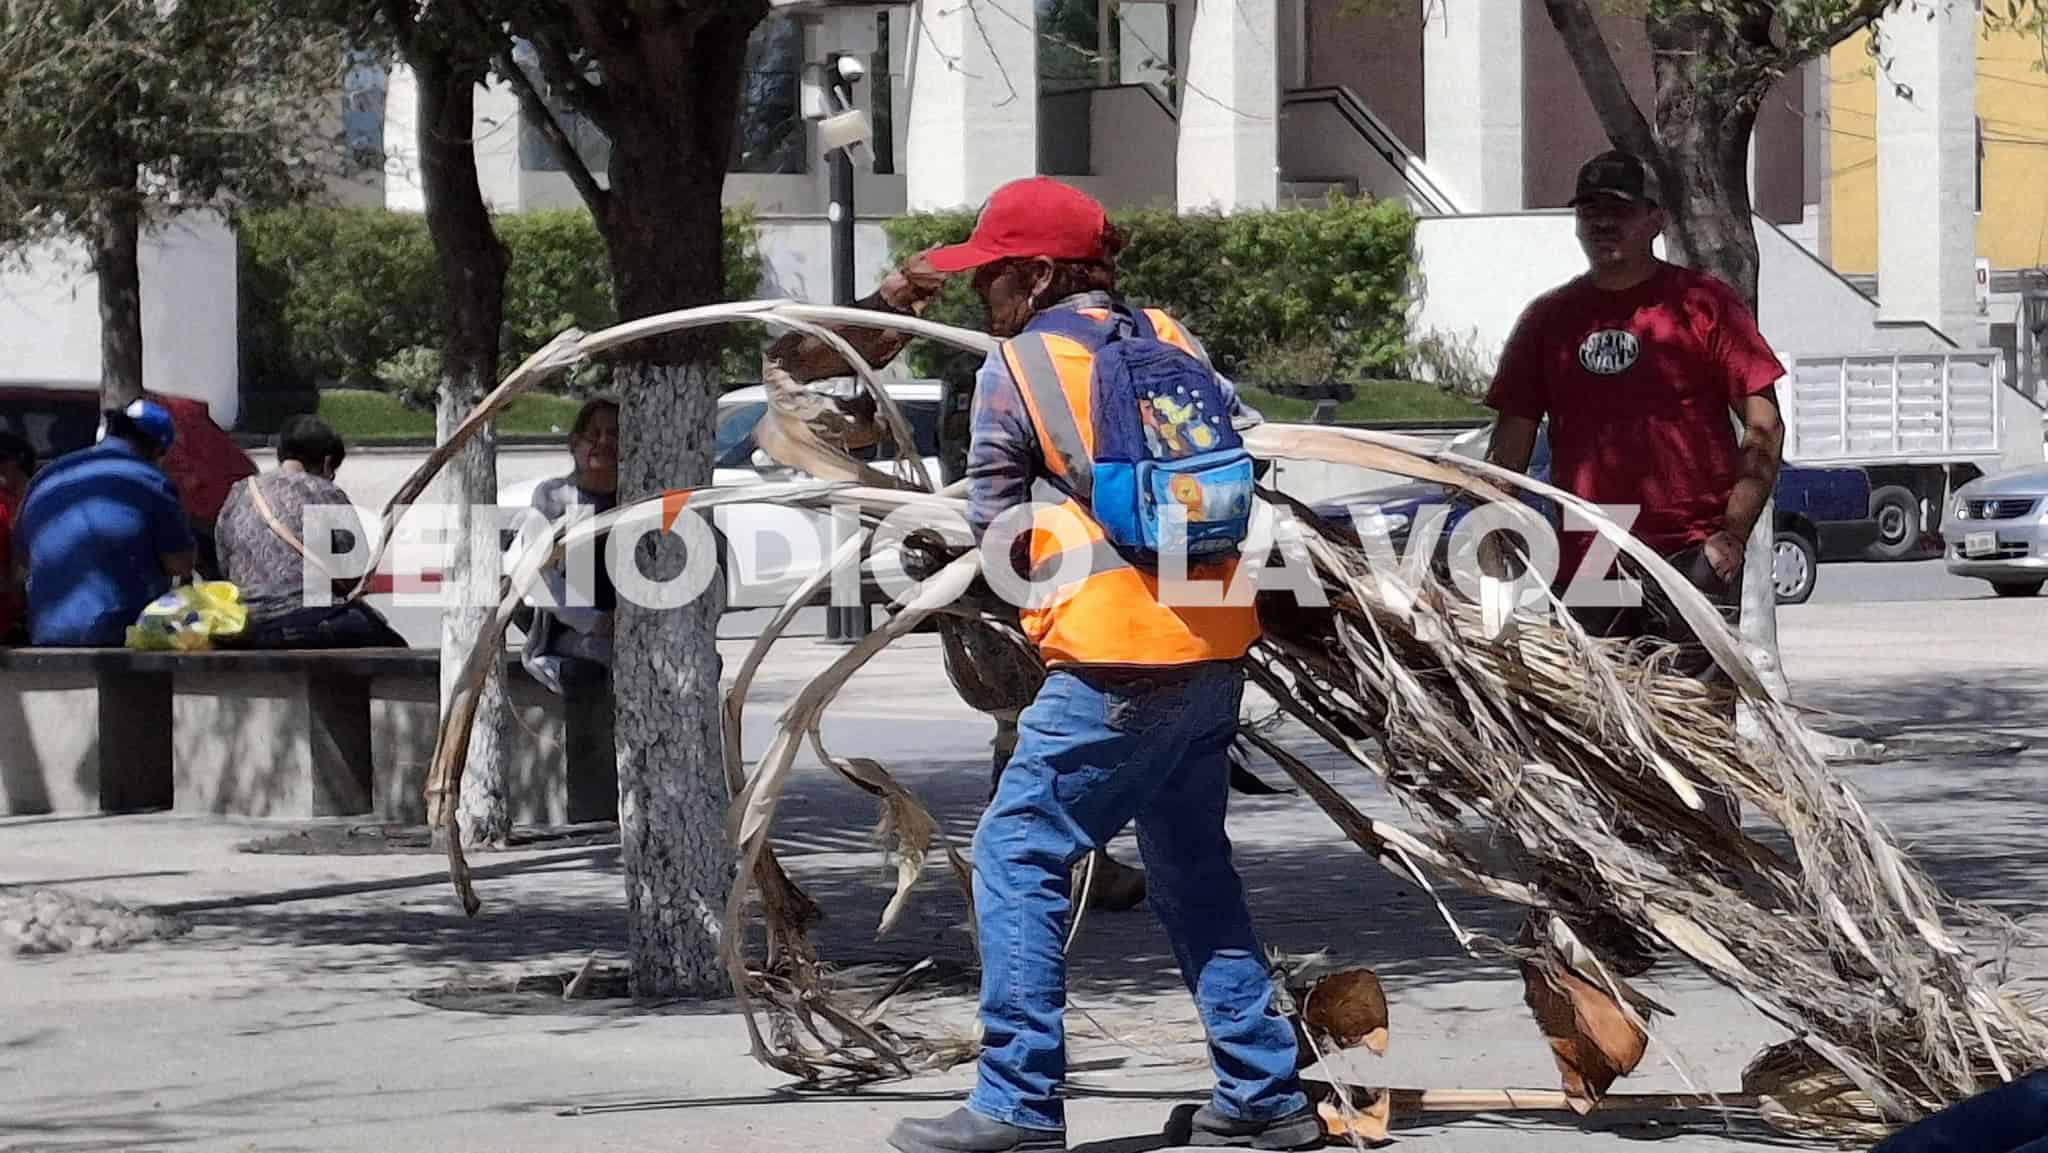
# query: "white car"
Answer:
x=768 y=550
x=1998 y=531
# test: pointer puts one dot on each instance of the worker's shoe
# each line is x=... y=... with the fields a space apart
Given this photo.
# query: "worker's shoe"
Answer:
x=965 y=1131
x=1301 y=1129
x=1117 y=887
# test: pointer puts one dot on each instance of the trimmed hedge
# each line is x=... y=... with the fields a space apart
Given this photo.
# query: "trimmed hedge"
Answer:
x=330 y=294
x=1253 y=286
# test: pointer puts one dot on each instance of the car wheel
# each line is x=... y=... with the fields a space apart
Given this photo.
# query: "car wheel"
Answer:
x=2016 y=588
x=1795 y=565
x=1897 y=513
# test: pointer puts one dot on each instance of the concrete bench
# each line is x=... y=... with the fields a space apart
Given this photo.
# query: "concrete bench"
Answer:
x=274 y=734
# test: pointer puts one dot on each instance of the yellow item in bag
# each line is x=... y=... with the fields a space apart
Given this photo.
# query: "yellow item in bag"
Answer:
x=190 y=617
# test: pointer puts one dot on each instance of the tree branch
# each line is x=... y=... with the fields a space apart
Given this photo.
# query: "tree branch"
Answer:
x=1620 y=117
x=1806 y=37
x=535 y=108
x=592 y=100
x=605 y=28
x=1860 y=15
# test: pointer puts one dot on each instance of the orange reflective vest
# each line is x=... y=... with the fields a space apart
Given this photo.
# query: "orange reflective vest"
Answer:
x=1113 y=616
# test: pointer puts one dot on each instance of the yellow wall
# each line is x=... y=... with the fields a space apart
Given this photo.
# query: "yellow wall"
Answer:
x=2012 y=100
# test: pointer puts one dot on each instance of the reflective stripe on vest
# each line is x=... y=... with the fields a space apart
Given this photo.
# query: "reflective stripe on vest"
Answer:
x=1034 y=362
x=1113 y=614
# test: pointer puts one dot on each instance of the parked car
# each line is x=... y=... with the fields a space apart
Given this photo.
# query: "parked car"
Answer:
x=765 y=550
x=2000 y=530
x=1822 y=514
x=204 y=462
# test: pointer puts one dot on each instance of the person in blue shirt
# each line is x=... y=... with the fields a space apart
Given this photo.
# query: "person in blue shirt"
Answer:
x=104 y=532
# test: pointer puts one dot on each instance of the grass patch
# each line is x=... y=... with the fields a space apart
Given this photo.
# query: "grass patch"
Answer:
x=358 y=414
x=1373 y=400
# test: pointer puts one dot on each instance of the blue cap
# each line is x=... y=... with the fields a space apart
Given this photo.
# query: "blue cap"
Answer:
x=153 y=421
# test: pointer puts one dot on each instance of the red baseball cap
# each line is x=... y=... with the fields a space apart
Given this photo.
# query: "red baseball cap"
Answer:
x=1035 y=217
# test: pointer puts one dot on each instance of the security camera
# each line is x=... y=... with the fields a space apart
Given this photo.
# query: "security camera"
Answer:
x=851 y=69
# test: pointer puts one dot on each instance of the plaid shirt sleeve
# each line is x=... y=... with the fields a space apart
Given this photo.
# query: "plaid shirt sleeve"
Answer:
x=1003 y=454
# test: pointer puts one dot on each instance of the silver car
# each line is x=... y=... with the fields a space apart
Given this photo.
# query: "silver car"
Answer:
x=1998 y=531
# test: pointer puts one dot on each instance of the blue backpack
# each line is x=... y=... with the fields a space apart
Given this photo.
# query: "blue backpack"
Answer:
x=1163 y=437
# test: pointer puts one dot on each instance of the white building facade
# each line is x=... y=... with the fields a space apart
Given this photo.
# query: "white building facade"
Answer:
x=1467 y=109
x=1470 y=111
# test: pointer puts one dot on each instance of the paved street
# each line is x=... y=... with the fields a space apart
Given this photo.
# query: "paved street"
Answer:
x=285 y=1020
x=1864 y=582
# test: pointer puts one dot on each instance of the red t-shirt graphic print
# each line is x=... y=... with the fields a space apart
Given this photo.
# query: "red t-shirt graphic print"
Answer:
x=1637 y=385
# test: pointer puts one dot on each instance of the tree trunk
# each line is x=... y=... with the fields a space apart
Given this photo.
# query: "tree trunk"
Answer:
x=472 y=266
x=666 y=670
x=662 y=223
x=666 y=667
x=117 y=266
x=1705 y=170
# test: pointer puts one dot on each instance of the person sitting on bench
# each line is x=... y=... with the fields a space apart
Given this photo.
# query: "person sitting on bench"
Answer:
x=571 y=640
x=104 y=532
x=261 y=539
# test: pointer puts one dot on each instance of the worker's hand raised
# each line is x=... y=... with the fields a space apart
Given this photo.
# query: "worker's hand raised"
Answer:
x=913 y=285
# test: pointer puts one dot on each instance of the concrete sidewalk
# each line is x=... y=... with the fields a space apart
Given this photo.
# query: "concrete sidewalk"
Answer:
x=286 y=1018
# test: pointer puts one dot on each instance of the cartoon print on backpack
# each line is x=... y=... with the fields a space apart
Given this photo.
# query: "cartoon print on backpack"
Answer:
x=1176 y=428
x=1168 y=466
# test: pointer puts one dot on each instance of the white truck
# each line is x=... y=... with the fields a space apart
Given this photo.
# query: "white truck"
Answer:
x=1917 y=425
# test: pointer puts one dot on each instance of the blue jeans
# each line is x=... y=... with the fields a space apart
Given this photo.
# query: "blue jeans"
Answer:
x=1097 y=749
x=2012 y=1118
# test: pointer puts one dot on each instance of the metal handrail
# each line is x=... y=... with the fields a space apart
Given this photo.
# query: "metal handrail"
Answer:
x=1382 y=140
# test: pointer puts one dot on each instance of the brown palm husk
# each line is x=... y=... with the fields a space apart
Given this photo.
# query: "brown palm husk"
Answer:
x=1590 y=760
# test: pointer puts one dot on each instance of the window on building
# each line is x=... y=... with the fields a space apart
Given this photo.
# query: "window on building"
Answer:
x=1069 y=44
x=1073 y=53
x=1980 y=164
x=882 y=99
x=1145 y=44
x=362 y=110
x=771 y=136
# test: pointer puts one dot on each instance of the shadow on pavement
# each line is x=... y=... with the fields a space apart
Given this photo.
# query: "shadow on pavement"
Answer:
x=1972 y=825
x=599 y=856
x=50 y=881
x=1310 y=891
x=2011 y=700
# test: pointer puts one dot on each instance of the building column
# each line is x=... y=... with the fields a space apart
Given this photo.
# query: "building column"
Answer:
x=1819 y=156
x=973 y=101
x=402 y=191
x=1472 y=101
x=500 y=125
x=1927 y=170
x=1229 y=148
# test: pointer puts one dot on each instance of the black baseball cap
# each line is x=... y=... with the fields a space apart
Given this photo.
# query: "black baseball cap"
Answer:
x=1615 y=175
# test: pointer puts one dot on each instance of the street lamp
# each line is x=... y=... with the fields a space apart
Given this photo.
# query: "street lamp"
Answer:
x=843 y=132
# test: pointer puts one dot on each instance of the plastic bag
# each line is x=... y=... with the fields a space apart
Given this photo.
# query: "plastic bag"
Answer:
x=190 y=617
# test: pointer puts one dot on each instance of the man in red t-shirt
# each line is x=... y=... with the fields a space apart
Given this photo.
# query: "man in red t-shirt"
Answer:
x=1638 y=364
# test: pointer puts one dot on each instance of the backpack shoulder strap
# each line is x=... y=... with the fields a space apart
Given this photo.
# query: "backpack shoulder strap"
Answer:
x=1167 y=329
x=1088 y=326
x=1031 y=364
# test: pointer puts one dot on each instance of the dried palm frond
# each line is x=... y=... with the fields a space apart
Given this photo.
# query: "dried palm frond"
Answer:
x=1591 y=763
